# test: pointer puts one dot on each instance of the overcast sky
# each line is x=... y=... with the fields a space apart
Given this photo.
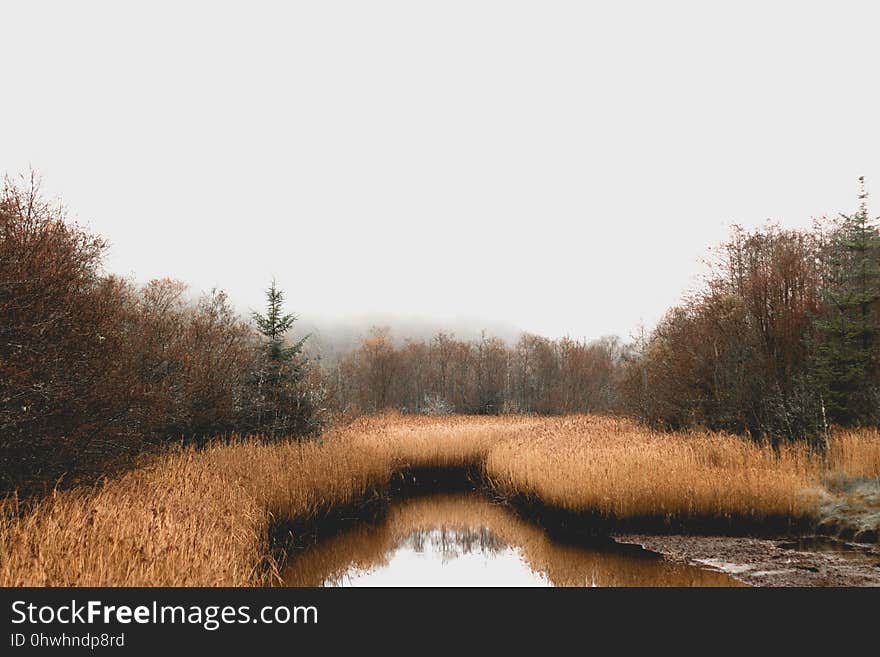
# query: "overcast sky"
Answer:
x=562 y=166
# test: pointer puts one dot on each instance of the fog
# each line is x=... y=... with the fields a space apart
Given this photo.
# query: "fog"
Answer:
x=554 y=167
x=330 y=337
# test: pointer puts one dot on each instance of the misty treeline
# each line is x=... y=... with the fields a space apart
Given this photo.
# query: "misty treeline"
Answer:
x=94 y=369
x=482 y=376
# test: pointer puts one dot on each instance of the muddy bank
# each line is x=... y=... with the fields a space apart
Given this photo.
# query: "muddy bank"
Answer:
x=803 y=561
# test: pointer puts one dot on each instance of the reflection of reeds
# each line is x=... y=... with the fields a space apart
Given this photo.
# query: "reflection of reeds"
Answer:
x=462 y=523
x=202 y=517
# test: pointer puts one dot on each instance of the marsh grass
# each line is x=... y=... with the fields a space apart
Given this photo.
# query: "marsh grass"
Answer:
x=855 y=453
x=617 y=468
x=202 y=517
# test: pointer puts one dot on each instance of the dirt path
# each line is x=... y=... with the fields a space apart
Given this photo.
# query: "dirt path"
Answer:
x=814 y=561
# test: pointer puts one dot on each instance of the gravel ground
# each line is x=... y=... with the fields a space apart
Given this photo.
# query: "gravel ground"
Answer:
x=810 y=561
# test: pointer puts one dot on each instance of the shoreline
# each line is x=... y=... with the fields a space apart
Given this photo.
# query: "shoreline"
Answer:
x=807 y=561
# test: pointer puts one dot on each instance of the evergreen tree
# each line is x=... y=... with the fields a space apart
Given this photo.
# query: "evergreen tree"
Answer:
x=274 y=325
x=282 y=406
x=848 y=331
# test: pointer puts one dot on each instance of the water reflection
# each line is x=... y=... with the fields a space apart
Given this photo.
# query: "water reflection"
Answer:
x=465 y=540
x=452 y=543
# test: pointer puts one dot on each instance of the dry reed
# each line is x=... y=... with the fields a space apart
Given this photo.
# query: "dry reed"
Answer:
x=202 y=517
x=617 y=468
x=855 y=453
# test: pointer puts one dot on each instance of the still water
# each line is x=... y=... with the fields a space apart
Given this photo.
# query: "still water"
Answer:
x=463 y=539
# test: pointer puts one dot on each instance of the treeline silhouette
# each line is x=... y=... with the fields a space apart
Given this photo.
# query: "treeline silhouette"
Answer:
x=94 y=369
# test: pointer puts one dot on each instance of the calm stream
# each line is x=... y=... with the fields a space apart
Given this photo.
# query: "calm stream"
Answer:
x=462 y=539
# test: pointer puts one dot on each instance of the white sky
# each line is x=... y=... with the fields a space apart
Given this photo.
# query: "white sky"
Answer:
x=559 y=165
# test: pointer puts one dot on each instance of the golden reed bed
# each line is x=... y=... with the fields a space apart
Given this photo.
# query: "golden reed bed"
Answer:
x=202 y=517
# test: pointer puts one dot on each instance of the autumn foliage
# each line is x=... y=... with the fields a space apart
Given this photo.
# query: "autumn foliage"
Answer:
x=94 y=369
x=781 y=341
x=485 y=376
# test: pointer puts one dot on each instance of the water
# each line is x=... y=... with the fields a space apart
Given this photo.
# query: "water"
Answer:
x=463 y=539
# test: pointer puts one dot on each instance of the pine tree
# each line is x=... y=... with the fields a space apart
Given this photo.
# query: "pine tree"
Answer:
x=848 y=332
x=282 y=406
x=274 y=325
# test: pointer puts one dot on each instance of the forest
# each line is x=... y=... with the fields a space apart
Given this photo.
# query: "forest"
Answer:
x=779 y=342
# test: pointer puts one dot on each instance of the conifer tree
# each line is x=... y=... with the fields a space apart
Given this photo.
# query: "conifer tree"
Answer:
x=274 y=325
x=849 y=330
x=282 y=406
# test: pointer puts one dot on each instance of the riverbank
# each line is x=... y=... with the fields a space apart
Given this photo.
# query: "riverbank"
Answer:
x=793 y=561
x=207 y=517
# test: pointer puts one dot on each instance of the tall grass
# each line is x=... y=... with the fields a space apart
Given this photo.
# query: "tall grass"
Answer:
x=617 y=468
x=202 y=517
x=188 y=518
x=855 y=453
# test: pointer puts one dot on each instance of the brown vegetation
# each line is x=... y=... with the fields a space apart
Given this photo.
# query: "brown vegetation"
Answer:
x=201 y=517
x=97 y=372
x=620 y=469
x=856 y=453
x=486 y=376
x=94 y=370
x=781 y=340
